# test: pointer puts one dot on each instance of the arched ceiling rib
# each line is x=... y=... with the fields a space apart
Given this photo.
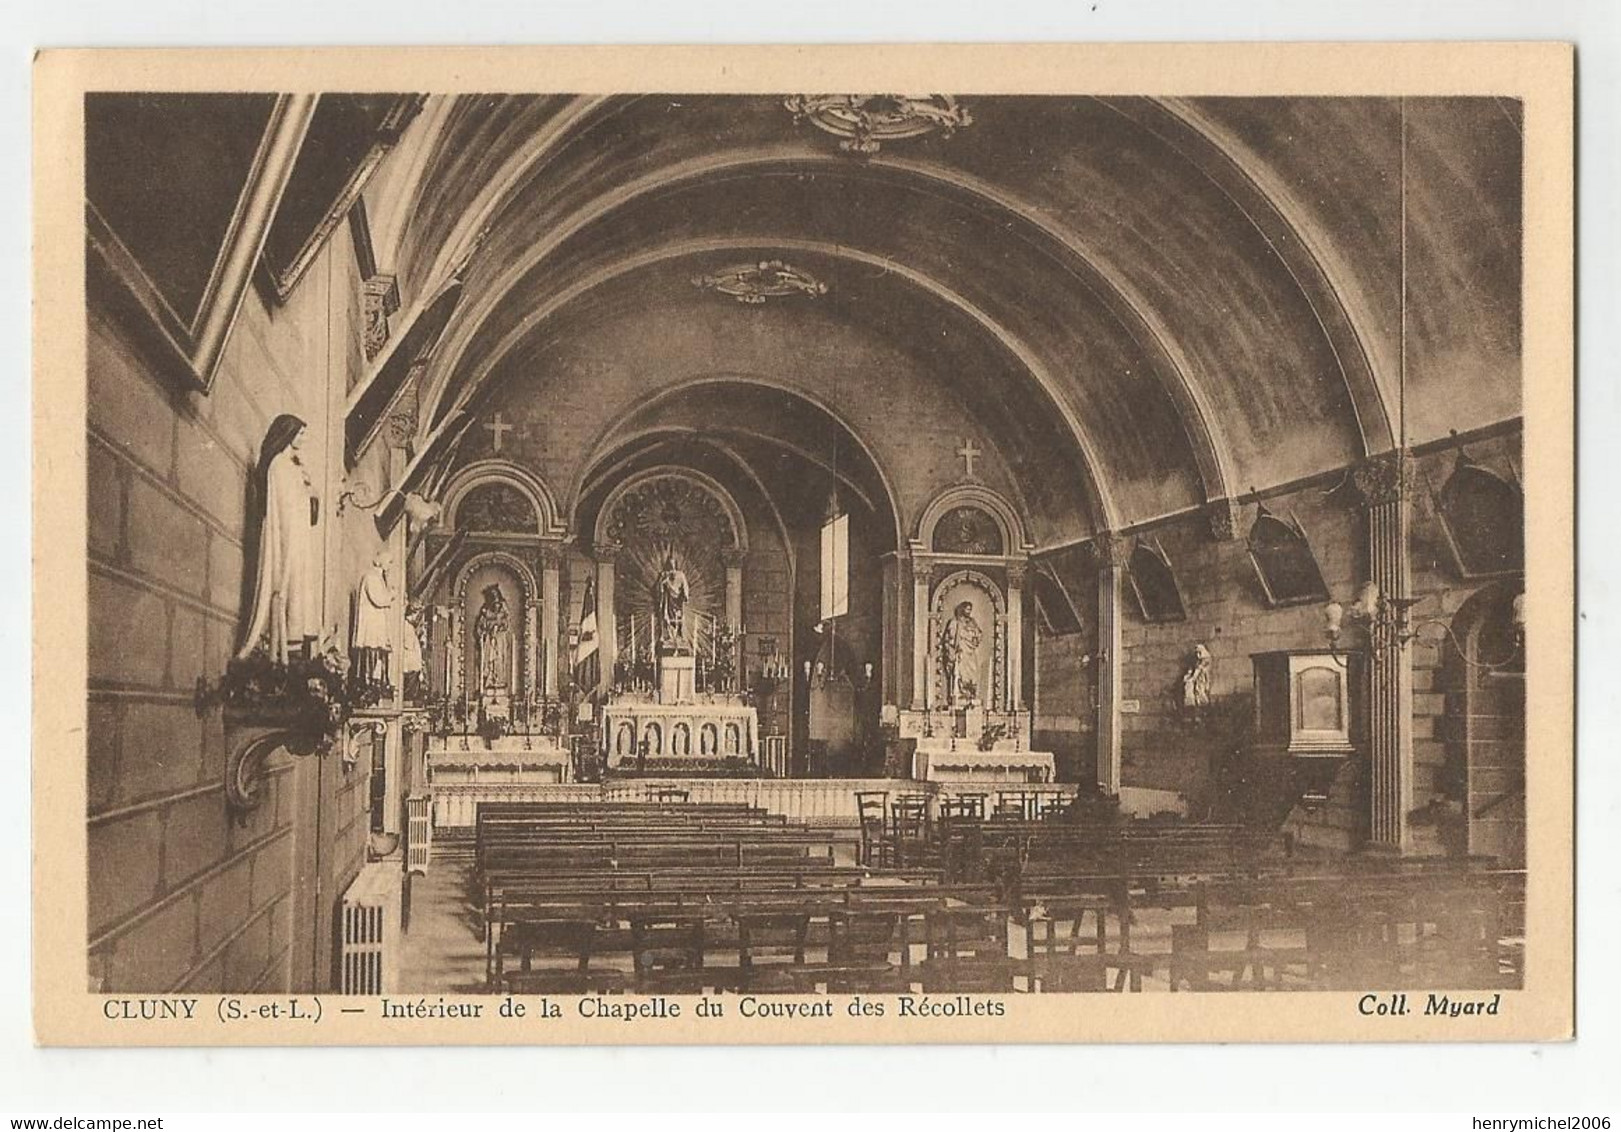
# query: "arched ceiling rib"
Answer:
x=1135 y=316
x=1228 y=259
x=1103 y=510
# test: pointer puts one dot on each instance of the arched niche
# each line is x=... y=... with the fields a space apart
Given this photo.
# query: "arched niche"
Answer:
x=470 y=591
x=983 y=509
x=682 y=512
x=1482 y=677
x=979 y=637
x=470 y=496
x=1483 y=517
x=969 y=531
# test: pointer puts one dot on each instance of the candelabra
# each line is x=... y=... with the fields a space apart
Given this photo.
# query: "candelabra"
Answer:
x=1388 y=621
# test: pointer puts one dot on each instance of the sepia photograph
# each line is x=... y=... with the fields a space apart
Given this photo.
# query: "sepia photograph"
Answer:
x=718 y=561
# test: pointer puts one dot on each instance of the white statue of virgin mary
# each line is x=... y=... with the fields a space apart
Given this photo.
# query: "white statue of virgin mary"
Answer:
x=286 y=611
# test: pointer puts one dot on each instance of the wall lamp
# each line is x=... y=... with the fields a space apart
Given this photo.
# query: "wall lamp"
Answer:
x=1388 y=621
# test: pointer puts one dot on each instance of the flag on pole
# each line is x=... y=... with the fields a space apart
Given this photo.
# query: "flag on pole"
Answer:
x=587 y=666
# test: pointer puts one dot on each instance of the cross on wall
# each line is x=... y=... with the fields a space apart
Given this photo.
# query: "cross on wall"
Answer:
x=969 y=453
x=498 y=429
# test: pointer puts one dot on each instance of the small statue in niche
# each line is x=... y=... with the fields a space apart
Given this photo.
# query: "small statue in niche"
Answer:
x=1196 y=679
x=284 y=617
x=373 y=638
x=493 y=630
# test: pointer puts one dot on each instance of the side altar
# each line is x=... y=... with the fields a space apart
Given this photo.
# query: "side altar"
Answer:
x=464 y=770
x=973 y=745
x=967 y=716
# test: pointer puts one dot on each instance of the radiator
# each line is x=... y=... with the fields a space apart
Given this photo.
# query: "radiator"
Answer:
x=418 y=833
x=369 y=941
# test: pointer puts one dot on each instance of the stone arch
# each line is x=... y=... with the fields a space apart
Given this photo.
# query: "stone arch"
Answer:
x=600 y=535
x=980 y=498
x=525 y=482
x=611 y=438
x=1483 y=679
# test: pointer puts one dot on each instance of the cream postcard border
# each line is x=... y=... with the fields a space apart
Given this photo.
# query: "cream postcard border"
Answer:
x=1541 y=74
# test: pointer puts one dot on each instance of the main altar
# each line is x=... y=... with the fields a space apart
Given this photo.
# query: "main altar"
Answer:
x=637 y=728
x=679 y=713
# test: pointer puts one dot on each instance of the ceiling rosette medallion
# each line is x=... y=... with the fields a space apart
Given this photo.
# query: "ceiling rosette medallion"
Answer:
x=866 y=121
x=754 y=283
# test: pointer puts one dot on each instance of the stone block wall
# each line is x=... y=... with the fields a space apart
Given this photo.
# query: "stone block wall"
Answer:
x=1207 y=758
x=182 y=896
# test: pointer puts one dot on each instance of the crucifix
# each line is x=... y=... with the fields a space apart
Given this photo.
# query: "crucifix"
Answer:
x=969 y=453
x=498 y=429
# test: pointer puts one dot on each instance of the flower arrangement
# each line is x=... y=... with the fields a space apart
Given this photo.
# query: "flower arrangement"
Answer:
x=308 y=697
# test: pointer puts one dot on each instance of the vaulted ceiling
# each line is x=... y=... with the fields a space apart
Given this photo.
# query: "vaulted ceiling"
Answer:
x=1143 y=305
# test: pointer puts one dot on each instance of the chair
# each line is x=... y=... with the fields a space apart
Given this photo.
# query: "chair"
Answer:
x=667 y=950
x=1061 y=956
x=876 y=847
x=909 y=827
x=1050 y=804
x=967 y=951
x=1011 y=805
x=962 y=807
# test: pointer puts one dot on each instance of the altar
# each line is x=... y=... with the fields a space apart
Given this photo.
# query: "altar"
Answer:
x=636 y=727
x=464 y=770
x=974 y=745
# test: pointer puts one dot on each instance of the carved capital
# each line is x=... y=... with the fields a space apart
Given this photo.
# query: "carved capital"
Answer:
x=732 y=557
x=1386 y=478
x=605 y=551
x=550 y=557
x=1225 y=518
x=1016 y=572
x=1110 y=548
x=380 y=297
x=399 y=429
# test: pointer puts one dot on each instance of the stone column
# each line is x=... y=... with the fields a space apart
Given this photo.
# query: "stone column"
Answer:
x=889 y=674
x=1015 y=635
x=453 y=654
x=1385 y=482
x=550 y=619
x=922 y=578
x=1110 y=552
x=608 y=648
x=732 y=559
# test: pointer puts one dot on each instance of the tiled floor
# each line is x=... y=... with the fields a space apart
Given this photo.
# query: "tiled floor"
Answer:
x=443 y=952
